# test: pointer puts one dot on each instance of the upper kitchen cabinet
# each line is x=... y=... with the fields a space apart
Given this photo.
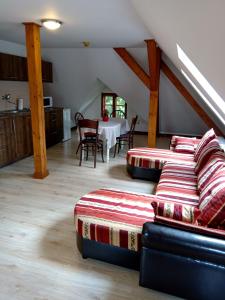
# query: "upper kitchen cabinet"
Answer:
x=14 y=68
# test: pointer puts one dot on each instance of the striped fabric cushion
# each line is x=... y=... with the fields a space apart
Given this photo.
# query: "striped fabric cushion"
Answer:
x=212 y=147
x=215 y=162
x=178 y=183
x=156 y=158
x=185 y=145
x=207 y=137
x=212 y=201
x=176 y=211
x=212 y=232
x=174 y=138
x=114 y=217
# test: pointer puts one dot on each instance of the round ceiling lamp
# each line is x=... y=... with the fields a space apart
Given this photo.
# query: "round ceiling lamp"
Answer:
x=51 y=24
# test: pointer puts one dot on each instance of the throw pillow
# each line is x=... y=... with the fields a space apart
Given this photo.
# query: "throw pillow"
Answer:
x=215 y=163
x=212 y=201
x=176 y=211
x=207 y=137
x=212 y=147
x=185 y=145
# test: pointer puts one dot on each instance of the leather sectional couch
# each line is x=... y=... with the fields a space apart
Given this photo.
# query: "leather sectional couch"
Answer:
x=176 y=238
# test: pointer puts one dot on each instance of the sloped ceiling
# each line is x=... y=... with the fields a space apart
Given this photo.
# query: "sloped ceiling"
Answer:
x=198 y=27
x=105 y=23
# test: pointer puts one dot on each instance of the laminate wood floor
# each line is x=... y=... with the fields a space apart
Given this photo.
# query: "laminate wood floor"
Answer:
x=38 y=255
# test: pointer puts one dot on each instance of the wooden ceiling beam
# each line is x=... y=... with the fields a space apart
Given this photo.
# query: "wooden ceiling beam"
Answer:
x=134 y=66
x=36 y=99
x=190 y=99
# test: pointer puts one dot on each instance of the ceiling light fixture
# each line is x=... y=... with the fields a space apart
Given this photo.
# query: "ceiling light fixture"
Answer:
x=51 y=24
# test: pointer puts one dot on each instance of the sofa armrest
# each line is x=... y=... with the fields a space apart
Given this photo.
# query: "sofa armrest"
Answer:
x=183 y=243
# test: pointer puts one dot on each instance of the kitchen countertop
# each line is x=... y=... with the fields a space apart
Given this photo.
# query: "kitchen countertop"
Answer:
x=5 y=113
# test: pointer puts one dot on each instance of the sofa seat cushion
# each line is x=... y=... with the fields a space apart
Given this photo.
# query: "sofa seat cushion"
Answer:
x=153 y=158
x=178 y=183
x=114 y=217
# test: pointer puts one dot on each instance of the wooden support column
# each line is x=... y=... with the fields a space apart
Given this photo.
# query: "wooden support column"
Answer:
x=154 y=57
x=36 y=99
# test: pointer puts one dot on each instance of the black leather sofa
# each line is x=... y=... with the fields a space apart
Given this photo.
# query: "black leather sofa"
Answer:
x=182 y=263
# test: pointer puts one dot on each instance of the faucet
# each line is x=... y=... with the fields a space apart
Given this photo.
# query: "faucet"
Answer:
x=7 y=97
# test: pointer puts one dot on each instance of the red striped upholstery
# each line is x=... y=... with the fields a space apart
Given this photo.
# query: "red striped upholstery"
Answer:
x=212 y=201
x=178 y=183
x=185 y=145
x=176 y=211
x=156 y=158
x=212 y=147
x=114 y=217
x=207 y=137
x=215 y=162
x=174 y=138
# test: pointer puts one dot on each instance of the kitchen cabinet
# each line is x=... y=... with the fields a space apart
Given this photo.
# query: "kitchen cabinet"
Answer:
x=13 y=67
x=7 y=142
x=15 y=138
x=53 y=126
x=16 y=133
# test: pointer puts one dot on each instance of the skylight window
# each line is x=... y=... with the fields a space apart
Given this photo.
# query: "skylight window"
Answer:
x=207 y=87
x=203 y=96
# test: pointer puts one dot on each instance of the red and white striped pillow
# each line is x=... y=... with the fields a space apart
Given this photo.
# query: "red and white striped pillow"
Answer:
x=212 y=147
x=176 y=211
x=212 y=201
x=207 y=137
x=185 y=145
x=215 y=163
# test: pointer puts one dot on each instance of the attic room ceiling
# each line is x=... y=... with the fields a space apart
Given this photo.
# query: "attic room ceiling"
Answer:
x=105 y=23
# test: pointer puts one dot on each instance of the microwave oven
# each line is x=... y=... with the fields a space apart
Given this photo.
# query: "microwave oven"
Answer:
x=48 y=102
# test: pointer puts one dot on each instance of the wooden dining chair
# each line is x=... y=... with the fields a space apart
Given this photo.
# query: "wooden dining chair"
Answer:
x=126 y=138
x=89 y=141
x=78 y=116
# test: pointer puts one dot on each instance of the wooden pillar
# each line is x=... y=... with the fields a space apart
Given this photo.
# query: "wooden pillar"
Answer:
x=36 y=99
x=154 y=57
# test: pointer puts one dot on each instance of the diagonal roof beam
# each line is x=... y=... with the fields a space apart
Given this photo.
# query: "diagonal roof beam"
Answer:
x=134 y=66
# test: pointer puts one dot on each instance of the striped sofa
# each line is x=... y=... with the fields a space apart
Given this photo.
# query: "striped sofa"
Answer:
x=125 y=228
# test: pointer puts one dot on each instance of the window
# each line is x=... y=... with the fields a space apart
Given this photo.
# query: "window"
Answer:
x=116 y=106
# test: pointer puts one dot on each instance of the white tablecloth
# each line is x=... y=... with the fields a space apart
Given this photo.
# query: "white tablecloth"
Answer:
x=109 y=131
x=123 y=123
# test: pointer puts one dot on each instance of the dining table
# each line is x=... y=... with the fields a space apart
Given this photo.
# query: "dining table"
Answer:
x=108 y=132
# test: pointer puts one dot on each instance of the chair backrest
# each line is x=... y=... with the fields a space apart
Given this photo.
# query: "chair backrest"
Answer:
x=133 y=124
x=118 y=114
x=78 y=116
x=88 y=124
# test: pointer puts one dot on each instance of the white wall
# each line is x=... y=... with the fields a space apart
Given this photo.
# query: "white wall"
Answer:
x=76 y=81
x=198 y=27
